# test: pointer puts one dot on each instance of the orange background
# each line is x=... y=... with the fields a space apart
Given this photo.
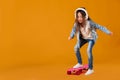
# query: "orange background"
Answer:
x=34 y=33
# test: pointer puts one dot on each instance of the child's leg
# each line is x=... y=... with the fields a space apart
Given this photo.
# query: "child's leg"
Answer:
x=77 y=51
x=89 y=52
x=78 y=55
x=90 y=57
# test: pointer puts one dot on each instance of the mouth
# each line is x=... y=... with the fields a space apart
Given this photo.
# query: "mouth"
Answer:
x=80 y=21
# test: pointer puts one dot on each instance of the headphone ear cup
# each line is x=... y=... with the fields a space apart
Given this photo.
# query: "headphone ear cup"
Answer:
x=86 y=18
x=75 y=15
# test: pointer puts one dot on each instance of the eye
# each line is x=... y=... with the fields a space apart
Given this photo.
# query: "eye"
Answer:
x=79 y=16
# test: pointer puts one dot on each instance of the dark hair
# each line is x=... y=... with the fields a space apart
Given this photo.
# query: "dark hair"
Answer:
x=82 y=12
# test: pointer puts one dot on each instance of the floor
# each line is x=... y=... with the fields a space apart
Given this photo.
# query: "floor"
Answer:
x=58 y=72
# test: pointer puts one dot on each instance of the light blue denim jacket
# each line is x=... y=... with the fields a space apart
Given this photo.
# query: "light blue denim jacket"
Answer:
x=93 y=26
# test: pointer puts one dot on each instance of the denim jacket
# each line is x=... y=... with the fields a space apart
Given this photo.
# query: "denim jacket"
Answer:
x=93 y=27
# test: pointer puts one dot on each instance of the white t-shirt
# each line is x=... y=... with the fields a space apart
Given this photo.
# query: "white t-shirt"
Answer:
x=86 y=31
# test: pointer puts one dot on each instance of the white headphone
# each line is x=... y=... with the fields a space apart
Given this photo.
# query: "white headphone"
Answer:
x=86 y=17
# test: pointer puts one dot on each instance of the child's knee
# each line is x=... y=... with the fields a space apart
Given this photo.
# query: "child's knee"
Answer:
x=76 y=48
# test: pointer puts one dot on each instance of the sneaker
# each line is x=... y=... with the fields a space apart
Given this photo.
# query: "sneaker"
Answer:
x=77 y=65
x=89 y=72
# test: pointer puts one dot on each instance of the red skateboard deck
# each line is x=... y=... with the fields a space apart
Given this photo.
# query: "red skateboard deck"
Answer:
x=77 y=71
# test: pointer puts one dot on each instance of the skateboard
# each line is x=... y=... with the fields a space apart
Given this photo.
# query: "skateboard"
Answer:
x=77 y=71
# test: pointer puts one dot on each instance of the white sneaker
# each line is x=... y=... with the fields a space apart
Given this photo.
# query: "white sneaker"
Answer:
x=89 y=72
x=77 y=65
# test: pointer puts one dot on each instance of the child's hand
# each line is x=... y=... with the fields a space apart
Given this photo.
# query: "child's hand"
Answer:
x=111 y=33
x=69 y=38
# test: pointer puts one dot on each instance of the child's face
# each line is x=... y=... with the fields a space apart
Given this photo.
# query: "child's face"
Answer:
x=80 y=17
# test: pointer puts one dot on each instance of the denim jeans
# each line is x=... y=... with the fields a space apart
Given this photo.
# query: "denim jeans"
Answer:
x=89 y=51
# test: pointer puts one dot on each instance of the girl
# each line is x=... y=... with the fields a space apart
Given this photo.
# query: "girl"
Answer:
x=85 y=29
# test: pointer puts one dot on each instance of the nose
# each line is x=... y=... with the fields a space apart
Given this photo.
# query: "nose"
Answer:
x=79 y=19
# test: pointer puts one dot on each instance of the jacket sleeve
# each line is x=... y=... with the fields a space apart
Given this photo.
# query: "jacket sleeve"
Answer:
x=73 y=32
x=102 y=28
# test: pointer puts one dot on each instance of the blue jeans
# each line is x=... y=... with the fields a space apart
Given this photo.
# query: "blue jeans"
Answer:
x=89 y=51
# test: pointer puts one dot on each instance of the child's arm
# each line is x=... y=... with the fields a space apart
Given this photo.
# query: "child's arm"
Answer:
x=72 y=34
x=102 y=28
